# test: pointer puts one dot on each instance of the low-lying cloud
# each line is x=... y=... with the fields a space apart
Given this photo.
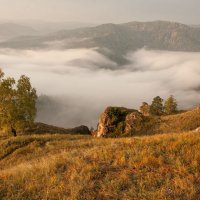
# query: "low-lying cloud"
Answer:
x=82 y=82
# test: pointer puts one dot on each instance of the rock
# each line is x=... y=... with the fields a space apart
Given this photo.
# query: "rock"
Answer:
x=117 y=121
x=105 y=124
x=133 y=121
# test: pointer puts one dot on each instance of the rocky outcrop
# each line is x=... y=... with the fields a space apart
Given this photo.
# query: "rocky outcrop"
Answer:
x=133 y=121
x=105 y=124
x=118 y=121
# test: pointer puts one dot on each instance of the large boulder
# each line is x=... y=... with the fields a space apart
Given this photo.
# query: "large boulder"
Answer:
x=118 y=121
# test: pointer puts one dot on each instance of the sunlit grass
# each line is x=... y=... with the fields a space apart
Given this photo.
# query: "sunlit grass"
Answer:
x=81 y=167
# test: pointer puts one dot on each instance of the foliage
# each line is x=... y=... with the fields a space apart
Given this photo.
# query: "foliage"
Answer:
x=17 y=103
x=145 y=109
x=117 y=114
x=170 y=106
x=156 y=107
x=118 y=131
x=150 y=125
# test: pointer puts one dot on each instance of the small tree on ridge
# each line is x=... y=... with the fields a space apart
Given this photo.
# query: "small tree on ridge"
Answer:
x=156 y=107
x=170 y=106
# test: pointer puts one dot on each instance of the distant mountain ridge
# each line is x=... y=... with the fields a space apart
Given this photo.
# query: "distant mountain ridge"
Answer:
x=116 y=40
x=10 y=30
x=45 y=27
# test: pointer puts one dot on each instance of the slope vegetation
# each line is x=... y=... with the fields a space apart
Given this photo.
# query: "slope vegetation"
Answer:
x=79 y=167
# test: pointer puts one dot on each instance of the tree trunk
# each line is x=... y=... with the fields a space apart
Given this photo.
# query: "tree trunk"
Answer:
x=14 y=132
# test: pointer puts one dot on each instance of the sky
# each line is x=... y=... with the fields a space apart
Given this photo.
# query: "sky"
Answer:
x=101 y=11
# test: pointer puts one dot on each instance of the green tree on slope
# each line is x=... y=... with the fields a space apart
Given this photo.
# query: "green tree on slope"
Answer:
x=156 y=107
x=17 y=103
x=170 y=106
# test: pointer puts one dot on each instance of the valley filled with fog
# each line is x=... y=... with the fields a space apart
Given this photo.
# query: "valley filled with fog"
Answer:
x=76 y=85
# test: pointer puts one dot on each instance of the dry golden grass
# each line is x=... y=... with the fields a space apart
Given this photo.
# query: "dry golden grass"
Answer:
x=186 y=121
x=177 y=123
x=79 y=167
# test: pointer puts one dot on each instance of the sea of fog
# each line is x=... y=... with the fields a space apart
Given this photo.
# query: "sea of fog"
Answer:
x=79 y=84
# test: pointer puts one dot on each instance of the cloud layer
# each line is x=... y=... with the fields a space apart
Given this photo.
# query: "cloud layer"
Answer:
x=80 y=87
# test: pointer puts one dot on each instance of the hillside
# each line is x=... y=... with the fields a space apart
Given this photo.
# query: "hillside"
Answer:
x=79 y=167
x=116 y=40
x=121 y=122
x=41 y=128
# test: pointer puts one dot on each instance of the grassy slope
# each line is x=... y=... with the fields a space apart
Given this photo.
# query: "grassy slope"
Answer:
x=151 y=125
x=41 y=128
x=186 y=121
x=80 y=167
x=178 y=123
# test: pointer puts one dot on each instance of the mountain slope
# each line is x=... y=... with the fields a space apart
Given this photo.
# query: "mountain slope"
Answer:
x=116 y=40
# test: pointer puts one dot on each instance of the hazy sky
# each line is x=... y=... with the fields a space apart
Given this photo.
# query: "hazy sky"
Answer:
x=102 y=11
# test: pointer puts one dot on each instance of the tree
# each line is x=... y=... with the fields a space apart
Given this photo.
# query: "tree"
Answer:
x=145 y=109
x=17 y=103
x=26 y=103
x=170 y=106
x=156 y=107
x=7 y=102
